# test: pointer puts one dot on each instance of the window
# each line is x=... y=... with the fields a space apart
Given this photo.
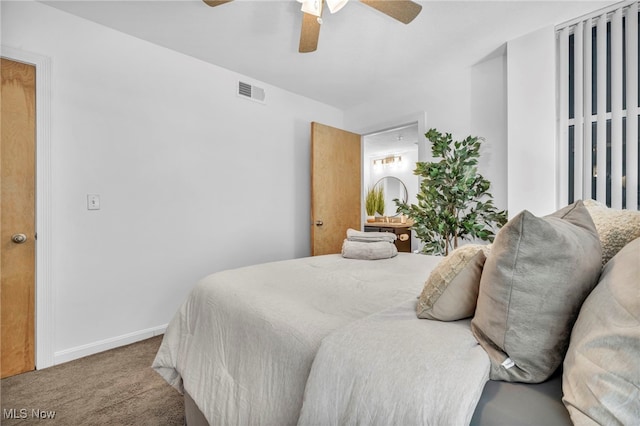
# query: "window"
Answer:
x=598 y=94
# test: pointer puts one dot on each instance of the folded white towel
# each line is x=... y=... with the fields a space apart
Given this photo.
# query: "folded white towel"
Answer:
x=353 y=235
x=368 y=250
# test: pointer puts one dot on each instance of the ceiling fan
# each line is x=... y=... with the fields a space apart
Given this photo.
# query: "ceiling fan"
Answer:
x=402 y=10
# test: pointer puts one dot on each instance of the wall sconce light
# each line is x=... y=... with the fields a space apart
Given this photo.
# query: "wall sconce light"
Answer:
x=313 y=7
x=392 y=159
x=336 y=5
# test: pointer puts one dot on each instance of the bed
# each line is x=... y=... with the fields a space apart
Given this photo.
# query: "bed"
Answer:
x=535 y=331
x=264 y=345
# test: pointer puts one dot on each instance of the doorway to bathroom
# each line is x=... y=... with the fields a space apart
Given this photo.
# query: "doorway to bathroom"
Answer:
x=389 y=158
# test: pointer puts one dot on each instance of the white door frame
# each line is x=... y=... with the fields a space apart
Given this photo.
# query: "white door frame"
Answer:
x=44 y=306
x=424 y=151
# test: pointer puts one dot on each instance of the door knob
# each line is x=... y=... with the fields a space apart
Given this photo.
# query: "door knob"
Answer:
x=319 y=223
x=19 y=238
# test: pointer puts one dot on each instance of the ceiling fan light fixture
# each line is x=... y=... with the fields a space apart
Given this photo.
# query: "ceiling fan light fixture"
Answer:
x=312 y=7
x=336 y=5
x=401 y=10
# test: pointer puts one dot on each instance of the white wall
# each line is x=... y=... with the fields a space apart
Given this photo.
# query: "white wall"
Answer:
x=532 y=123
x=192 y=178
x=489 y=121
x=446 y=103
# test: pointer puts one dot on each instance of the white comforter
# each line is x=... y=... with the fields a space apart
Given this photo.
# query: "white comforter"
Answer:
x=244 y=342
x=392 y=368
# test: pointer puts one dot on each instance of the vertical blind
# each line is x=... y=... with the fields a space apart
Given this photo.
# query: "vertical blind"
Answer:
x=598 y=107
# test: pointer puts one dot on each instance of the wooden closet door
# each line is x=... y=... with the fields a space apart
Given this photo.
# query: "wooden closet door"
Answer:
x=17 y=207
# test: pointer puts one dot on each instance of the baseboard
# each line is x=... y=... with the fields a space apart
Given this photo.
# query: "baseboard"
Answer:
x=104 y=345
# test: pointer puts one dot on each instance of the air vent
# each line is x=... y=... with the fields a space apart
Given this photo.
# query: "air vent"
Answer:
x=248 y=91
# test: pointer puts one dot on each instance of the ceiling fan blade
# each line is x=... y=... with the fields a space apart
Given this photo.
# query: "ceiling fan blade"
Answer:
x=309 y=33
x=403 y=10
x=214 y=3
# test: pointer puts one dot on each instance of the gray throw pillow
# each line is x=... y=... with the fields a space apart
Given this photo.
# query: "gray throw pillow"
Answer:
x=601 y=374
x=539 y=272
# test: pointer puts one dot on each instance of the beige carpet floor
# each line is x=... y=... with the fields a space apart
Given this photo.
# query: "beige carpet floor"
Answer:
x=116 y=387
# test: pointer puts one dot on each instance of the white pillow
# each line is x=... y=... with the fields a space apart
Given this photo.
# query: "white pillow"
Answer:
x=616 y=228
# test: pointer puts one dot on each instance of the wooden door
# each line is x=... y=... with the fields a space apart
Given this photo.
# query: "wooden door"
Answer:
x=17 y=208
x=336 y=196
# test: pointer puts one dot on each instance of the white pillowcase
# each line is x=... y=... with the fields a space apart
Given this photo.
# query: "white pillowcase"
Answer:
x=616 y=228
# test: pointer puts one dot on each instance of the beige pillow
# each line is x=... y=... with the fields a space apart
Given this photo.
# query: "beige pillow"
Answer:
x=616 y=228
x=601 y=374
x=451 y=290
x=538 y=274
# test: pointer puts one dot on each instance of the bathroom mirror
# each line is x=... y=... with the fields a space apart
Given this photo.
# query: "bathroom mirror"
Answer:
x=393 y=188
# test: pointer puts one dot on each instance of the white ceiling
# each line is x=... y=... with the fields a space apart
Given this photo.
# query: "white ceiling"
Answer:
x=363 y=55
x=391 y=141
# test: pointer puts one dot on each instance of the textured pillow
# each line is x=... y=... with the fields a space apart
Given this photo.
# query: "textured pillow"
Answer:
x=539 y=272
x=601 y=374
x=616 y=228
x=451 y=291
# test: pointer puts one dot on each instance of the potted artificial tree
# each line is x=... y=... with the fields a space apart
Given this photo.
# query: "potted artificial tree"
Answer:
x=454 y=202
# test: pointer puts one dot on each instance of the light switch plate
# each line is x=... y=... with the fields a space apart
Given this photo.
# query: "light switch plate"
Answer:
x=93 y=202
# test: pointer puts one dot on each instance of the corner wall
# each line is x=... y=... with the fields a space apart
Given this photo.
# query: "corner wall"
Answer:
x=489 y=121
x=532 y=149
